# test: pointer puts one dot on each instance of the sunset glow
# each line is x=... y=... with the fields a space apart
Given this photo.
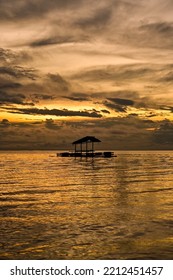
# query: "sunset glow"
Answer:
x=75 y=68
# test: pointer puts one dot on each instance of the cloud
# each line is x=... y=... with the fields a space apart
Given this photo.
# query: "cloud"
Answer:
x=112 y=56
x=9 y=85
x=32 y=9
x=115 y=107
x=164 y=133
x=5 y=123
x=167 y=78
x=80 y=97
x=59 y=81
x=18 y=72
x=50 y=124
x=9 y=57
x=57 y=112
x=39 y=96
x=166 y=108
x=100 y=18
x=120 y=101
x=116 y=72
x=105 y=111
x=118 y=104
x=128 y=132
x=17 y=98
x=156 y=34
x=54 y=40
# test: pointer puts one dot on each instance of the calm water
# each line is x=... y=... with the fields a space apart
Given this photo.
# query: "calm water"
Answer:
x=66 y=208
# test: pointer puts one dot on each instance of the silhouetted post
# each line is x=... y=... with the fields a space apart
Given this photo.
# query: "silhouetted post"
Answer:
x=86 y=148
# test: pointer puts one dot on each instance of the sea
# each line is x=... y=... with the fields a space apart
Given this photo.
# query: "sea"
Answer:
x=118 y=208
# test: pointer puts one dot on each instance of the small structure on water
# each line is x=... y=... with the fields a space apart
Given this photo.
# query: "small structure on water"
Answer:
x=84 y=147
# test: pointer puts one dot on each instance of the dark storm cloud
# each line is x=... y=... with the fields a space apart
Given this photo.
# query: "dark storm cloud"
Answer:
x=164 y=134
x=77 y=97
x=118 y=104
x=56 y=112
x=17 y=98
x=125 y=102
x=115 y=107
x=32 y=9
x=9 y=85
x=58 y=40
x=38 y=96
x=124 y=98
x=18 y=72
x=58 y=80
x=105 y=111
x=107 y=125
x=5 y=123
x=50 y=124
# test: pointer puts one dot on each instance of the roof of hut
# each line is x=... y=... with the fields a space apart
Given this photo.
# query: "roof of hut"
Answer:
x=86 y=139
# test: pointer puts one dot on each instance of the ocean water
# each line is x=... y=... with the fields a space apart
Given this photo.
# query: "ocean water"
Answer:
x=102 y=208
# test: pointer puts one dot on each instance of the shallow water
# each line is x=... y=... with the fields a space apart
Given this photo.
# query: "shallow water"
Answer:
x=102 y=208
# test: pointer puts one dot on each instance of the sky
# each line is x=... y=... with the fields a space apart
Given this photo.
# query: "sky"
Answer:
x=101 y=68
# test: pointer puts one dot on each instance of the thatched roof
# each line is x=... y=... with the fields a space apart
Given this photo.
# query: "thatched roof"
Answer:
x=86 y=139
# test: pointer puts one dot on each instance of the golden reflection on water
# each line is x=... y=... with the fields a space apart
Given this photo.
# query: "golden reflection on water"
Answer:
x=66 y=208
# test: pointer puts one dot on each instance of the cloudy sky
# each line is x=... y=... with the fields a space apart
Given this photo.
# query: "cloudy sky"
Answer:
x=71 y=68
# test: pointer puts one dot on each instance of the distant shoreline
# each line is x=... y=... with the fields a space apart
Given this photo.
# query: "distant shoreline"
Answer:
x=44 y=150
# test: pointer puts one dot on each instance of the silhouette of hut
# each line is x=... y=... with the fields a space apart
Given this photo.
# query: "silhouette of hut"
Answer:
x=88 y=147
x=84 y=147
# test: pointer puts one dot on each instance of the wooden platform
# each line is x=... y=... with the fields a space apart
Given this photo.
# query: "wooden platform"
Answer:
x=89 y=154
x=84 y=147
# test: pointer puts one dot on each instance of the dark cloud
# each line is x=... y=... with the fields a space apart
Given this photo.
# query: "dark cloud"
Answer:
x=5 y=123
x=17 y=98
x=124 y=102
x=150 y=115
x=8 y=56
x=160 y=34
x=54 y=41
x=33 y=9
x=4 y=85
x=59 y=81
x=77 y=97
x=155 y=35
x=119 y=104
x=56 y=112
x=128 y=132
x=38 y=96
x=116 y=73
x=166 y=108
x=159 y=27
x=164 y=134
x=18 y=72
x=50 y=124
x=115 y=107
x=105 y=111
x=168 y=78
x=98 y=20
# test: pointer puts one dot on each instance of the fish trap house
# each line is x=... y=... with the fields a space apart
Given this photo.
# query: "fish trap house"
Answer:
x=84 y=147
